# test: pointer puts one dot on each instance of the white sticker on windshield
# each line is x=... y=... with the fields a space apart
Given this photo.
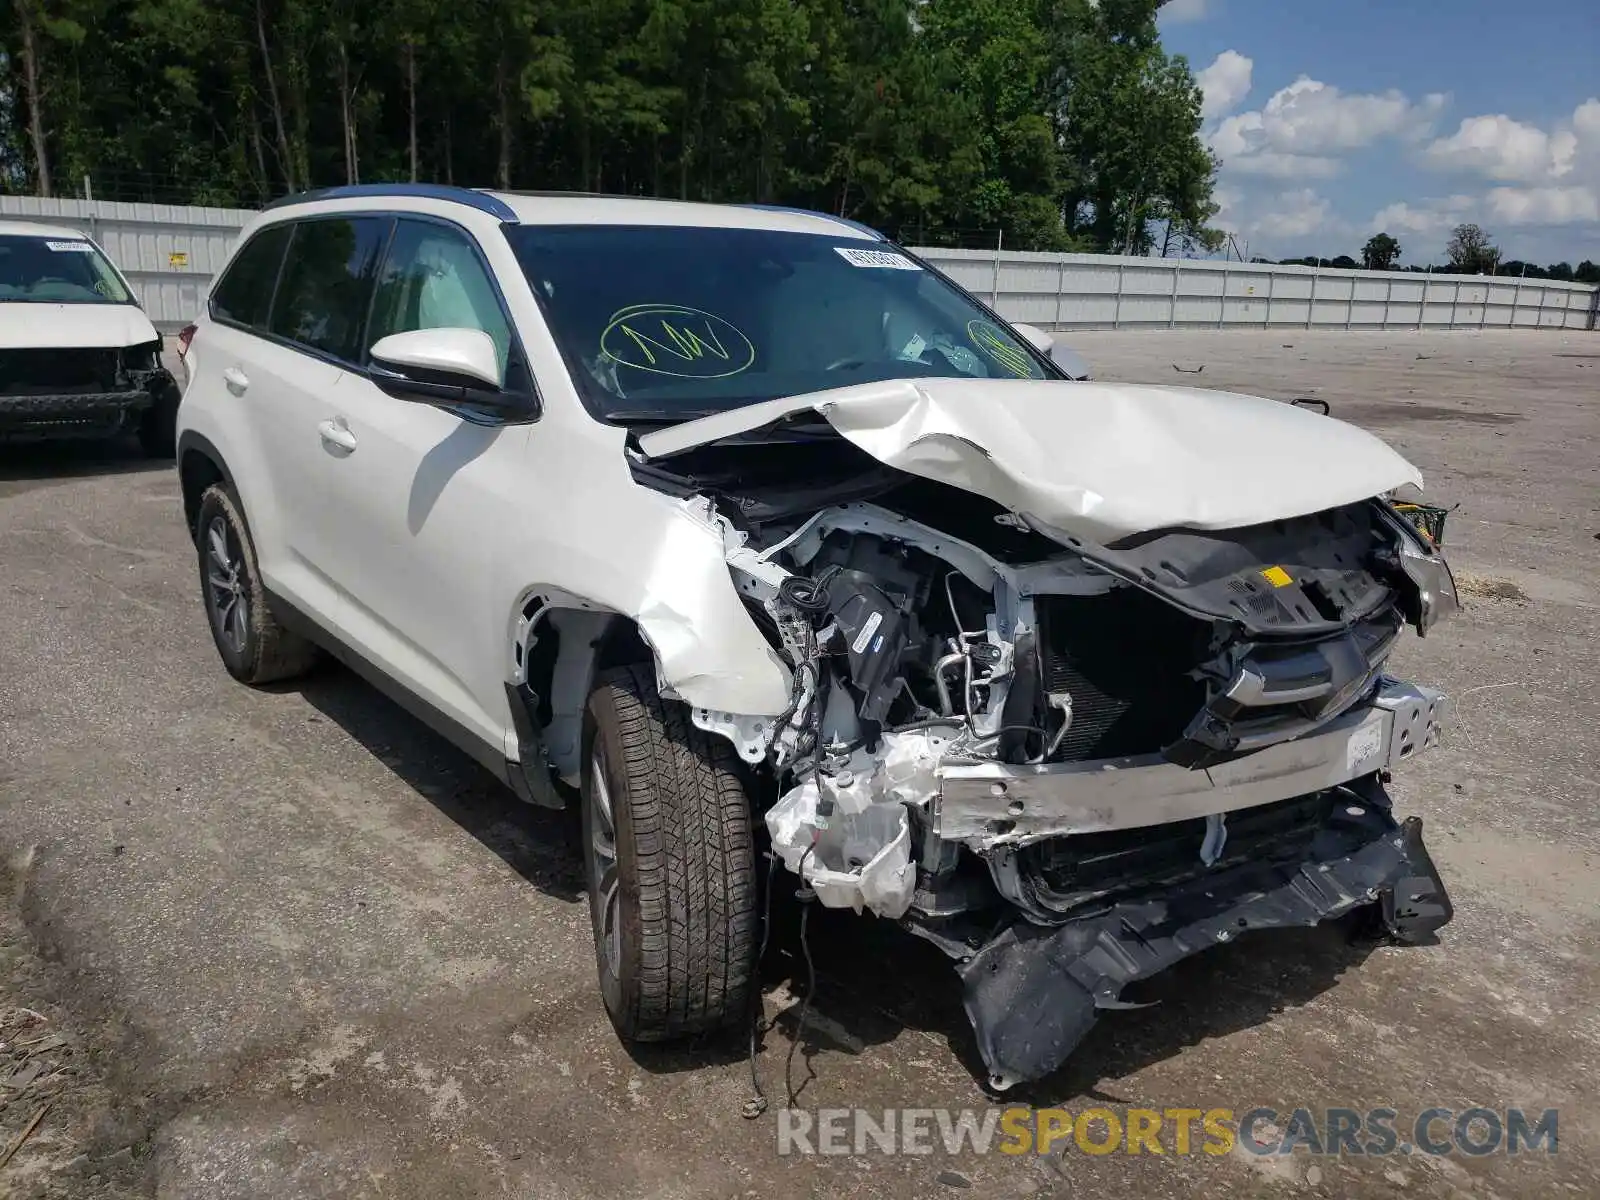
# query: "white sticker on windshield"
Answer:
x=71 y=247
x=876 y=258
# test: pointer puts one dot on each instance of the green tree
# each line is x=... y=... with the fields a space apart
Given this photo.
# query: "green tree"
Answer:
x=1471 y=251
x=996 y=55
x=1128 y=122
x=1062 y=123
x=1380 y=253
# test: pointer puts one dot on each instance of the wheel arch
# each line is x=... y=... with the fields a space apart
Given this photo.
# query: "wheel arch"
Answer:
x=200 y=464
x=560 y=642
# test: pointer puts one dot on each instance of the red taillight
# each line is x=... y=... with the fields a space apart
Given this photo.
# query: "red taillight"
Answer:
x=185 y=336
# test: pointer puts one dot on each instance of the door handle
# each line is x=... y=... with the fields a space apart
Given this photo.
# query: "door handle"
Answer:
x=337 y=434
x=236 y=380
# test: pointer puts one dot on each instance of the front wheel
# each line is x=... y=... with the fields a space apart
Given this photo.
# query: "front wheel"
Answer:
x=669 y=862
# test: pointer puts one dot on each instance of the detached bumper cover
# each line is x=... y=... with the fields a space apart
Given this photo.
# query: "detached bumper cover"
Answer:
x=1033 y=993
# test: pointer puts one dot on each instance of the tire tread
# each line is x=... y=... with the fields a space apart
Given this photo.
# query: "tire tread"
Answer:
x=689 y=817
x=278 y=653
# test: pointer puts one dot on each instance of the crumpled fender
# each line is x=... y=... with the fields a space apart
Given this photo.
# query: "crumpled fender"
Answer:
x=708 y=650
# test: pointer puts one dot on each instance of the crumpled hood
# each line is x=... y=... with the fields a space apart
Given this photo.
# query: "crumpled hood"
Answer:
x=73 y=326
x=1100 y=461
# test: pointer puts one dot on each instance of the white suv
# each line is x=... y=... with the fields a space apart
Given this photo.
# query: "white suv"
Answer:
x=78 y=355
x=723 y=518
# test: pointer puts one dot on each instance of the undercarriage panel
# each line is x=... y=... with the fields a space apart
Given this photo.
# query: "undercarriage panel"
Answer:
x=1034 y=993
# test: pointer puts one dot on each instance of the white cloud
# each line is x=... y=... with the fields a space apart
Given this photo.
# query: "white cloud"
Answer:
x=1288 y=166
x=1296 y=214
x=1501 y=148
x=1502 y=206
x=1586 y=121
x=1426 y=217
x=1509 y=151
x=1184 y=10
x=1544 y=205
x=1303 y=127
x=1224 y=83
x=1556 y=170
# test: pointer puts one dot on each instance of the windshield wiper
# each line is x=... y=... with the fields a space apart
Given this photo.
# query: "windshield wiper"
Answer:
x=802 y=426
x=657 y=417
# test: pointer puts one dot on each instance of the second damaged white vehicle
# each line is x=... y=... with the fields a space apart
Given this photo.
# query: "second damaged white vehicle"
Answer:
x=720 y=518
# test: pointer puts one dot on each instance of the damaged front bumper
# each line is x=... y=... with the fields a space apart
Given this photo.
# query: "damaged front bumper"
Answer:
x=47 y=393
x=1108 y=872
x=1033 y=992
x=989 y=805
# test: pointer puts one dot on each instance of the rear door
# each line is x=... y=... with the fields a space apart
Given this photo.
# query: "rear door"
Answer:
x=283 y=373
x=243 y=389
x=414 y=508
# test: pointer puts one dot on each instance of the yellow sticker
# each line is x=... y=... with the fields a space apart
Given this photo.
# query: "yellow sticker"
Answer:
x=178 y=258
x=1277 y=577
x=671 y=339
x=988 y=337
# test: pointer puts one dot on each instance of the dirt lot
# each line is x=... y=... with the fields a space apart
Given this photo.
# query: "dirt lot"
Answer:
x=294 y=945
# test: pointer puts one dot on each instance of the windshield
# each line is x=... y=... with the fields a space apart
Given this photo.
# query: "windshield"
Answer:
x=669 y=322
x=57 y=271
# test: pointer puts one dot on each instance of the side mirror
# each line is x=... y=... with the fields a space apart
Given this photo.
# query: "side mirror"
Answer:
x=463 y=358
x=1035 y=337
x=453 y=368
x=1071 y=363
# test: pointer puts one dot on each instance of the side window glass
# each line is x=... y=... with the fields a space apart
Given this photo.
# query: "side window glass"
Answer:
x=433 y=279
x=327 y=283
x=244 y=292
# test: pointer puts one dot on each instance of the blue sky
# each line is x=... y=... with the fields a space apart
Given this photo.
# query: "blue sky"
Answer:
x=1337 y=118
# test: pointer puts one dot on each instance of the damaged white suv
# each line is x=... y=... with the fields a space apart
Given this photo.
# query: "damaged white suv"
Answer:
x=723 y=517
x=78 y=356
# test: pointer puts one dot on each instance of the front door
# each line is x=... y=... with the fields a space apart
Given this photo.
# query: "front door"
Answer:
x=411 y=520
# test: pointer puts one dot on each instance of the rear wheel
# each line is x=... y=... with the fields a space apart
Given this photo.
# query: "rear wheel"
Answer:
x=254 y=646
x=669 y=862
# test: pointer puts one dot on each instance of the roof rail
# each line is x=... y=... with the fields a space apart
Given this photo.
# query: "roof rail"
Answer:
x=482 y=201
x=810 y=212
x=803 y=212
x=560 y=193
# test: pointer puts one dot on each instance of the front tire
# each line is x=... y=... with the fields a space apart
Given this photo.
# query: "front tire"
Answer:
x=669 y=863
x=254 y=647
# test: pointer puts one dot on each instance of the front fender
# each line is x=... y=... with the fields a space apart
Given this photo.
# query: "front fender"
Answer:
x=676 y=589
x=708 y=650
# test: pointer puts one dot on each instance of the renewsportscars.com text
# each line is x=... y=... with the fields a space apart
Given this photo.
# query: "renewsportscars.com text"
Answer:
x=1376 y=1132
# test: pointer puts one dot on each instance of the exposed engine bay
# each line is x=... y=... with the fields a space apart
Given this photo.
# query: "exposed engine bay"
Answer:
x=1116 y=755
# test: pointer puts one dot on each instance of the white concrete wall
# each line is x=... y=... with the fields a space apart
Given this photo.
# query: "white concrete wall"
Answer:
x=170 y=253
x=1104 y=291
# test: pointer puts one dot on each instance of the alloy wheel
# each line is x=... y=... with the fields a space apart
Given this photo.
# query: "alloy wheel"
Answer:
x=600 y=849
x=230 y=605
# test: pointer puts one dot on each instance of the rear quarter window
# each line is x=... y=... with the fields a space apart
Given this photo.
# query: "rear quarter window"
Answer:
x=243 y=296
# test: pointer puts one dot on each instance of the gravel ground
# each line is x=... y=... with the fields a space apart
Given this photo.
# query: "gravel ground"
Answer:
x=294 y=945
